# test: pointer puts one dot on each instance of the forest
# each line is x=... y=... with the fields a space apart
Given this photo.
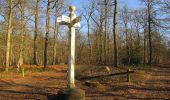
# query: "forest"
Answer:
x=141 y=36
x=111 y=34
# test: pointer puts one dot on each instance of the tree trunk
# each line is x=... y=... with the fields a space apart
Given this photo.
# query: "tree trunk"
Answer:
x=144 y=48
x=149 y=32
x=36 y=31
x=125 y=21
x=97 y=46
x=100 y=43
x=109 y=44
x=47 y=34
x=90 y=45
x=20 y=61
x=9 y=34
x=105 y=37
x=55 y=36
x=115 y=32
x=11 y=49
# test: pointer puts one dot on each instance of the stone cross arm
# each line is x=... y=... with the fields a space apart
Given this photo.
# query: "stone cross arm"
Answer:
x=76 y=20
x=65 y=20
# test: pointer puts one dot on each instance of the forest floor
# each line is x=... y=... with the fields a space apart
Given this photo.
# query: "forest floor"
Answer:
x=146 y=83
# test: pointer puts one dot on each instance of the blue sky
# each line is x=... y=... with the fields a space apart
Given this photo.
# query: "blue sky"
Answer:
x=131 y=3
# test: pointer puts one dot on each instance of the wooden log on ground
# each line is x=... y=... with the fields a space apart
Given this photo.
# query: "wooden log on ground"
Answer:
x=100 y=76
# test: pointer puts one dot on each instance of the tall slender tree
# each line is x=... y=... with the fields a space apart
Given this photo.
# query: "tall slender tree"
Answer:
x=100 y=37
x=105 y=32
x=125 y=22
x=9 y=34
x=149 y=30
x=47 y=34
x=55 y=33
x=36 y=31
x=22 y=33
x=115 y=32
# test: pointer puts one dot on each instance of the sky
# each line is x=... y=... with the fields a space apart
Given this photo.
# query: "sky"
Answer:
x=131 y=3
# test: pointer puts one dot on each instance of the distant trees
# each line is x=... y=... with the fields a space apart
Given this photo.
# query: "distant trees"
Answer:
x=101 y=42
x=155 y=25
x=88 y=12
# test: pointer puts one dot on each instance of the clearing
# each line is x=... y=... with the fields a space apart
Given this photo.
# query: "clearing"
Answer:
x=147 y=83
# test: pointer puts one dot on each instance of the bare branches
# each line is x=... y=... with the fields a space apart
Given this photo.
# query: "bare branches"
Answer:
x=17 y=3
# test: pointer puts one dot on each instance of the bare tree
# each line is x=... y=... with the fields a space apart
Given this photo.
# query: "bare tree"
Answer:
x=106 y=35
x=99 y=33
x=149 y=5
x=22 y=33
x=36 y=31
x=125 y=22
x=115 y=32
x=9 y=34
x=149 y=31
x=47 y=34
x=56 y=32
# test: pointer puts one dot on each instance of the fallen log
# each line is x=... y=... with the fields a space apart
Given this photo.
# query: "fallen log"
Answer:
x=107 y=75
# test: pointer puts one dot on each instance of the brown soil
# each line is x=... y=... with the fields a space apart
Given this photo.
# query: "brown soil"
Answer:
x=153 y=83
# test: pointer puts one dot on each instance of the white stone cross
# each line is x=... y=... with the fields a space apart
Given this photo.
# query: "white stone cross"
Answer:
x=72 y=22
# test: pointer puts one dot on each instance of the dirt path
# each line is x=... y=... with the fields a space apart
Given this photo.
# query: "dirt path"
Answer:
x=146 y=84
